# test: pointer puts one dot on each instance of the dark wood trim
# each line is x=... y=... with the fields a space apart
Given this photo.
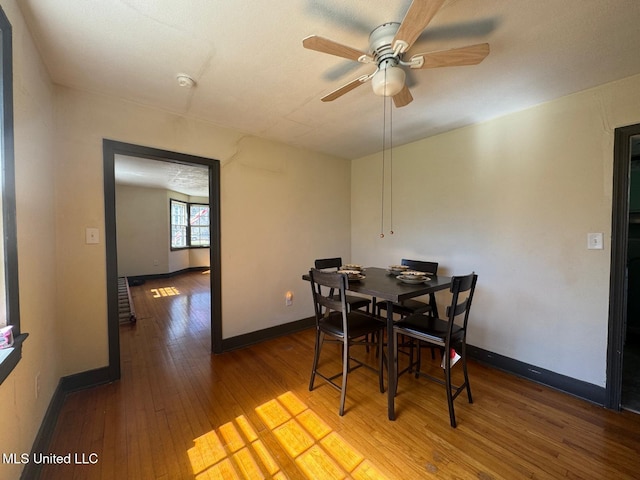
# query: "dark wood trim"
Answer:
x=252 y=338
x=572 y=386
x=108 y=153
x=11 y=360
x=66 y=385
x=9 y=180
x=110 y=149
x=618 y=276
x=44 y=436
x=88 y=379
x=215 y=257
x=8 y=192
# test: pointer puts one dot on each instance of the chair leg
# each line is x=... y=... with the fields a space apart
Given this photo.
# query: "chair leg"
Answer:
x=463 y=352
x=366 y=338
x=374 y=336
x=380 y=361
x=345 y=371
x=394 y=365
x=447 y=376
x=316 y=357
x=411 y=348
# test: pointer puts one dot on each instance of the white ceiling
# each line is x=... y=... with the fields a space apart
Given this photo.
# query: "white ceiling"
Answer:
x=253 y=74
x=188 y=179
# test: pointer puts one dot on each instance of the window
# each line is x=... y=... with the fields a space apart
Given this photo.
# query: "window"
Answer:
x=189 y=225
x=9 y=298
x=199 y=225
x=179 y=224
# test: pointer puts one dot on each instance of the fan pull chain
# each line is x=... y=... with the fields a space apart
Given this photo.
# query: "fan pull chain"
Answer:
x=390 y=167
x=384 y=126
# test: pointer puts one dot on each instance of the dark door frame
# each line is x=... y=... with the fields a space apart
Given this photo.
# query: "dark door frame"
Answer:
x=110 y=148
x=619 y=246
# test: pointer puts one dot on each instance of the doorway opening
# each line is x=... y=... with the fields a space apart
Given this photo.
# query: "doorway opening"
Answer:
x=112 y=149
x=623 y=351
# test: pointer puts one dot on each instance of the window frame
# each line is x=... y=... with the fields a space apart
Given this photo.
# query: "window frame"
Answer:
x=199 y=226
x=9 y=357
x=188 y=224
x=173 y=201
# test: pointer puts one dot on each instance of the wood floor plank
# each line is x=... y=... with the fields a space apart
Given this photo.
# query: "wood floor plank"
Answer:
x=180 y=412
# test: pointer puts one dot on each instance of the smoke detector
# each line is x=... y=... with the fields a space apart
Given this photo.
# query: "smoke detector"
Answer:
x=185 y=80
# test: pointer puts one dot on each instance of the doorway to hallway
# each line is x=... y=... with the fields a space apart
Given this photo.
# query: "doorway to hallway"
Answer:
x=112 y=149
x=630 y=399
x=623 y=350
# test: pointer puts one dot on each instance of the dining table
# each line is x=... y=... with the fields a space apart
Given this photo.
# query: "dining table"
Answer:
x=382 y=285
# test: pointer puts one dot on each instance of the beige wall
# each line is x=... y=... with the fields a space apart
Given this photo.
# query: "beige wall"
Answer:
x=142 y=243
x=142 y=219
x=512 y=199
x=22 y=412
x=280 y=207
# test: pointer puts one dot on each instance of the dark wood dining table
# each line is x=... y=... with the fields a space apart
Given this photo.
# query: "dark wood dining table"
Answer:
x=381 y=285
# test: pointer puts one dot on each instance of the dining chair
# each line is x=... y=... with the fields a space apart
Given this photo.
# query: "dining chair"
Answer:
x=343 y=326
x=447 y=335
x=409 y=306
x=353 y=301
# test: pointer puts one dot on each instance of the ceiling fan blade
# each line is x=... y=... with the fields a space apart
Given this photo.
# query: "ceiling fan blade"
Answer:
x=415 y=21
x=345 y=88
x=324 y=45
x=403 y=98
x=455 y=57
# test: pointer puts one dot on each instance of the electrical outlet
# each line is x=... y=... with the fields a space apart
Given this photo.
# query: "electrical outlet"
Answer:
x=37 y=384
x=288 y=299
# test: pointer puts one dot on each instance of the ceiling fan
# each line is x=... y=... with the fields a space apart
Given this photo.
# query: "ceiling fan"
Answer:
x=388 y=50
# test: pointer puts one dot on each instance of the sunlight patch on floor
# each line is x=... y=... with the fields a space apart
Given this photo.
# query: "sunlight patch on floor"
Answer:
x=234 y=450
x=164 y=292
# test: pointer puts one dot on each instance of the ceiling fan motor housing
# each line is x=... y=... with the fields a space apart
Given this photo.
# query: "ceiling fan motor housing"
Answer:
x=389 y=78
x=380 y=41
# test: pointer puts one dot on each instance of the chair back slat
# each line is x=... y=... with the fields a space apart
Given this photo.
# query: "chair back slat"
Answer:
x=332 y=281
x=329 y=303
x=466 y=282
x=459 y=309
x=323 y=263
x=461 y=285
x=420 y=266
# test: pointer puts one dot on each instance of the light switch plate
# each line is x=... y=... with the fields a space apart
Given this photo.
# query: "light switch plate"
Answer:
x=92 y=236
x=594 y=241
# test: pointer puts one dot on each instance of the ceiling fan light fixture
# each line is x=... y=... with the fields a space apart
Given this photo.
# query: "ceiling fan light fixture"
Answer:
x=388 y=82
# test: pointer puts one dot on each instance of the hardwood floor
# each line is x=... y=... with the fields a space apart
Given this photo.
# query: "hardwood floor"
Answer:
x=181 y=413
